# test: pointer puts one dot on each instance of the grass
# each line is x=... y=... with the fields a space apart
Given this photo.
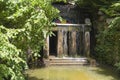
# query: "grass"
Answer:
x=72 y=73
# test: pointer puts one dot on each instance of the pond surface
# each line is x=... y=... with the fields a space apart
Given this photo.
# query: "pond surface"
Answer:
x=72 y=73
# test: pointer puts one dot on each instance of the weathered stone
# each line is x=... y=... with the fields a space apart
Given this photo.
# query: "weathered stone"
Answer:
x=60 y=43
x=46 y=48
x=87 y=43
x=70 y=41
x=65 y=45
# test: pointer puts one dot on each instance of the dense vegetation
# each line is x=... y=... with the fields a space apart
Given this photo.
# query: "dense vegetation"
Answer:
x=108 y=38
x=24 y=24
x=107 y=19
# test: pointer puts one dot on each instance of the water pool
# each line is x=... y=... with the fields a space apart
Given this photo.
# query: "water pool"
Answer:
x=71 y=73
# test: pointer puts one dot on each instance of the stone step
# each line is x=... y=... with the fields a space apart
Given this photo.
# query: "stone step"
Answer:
x=67 y=61
x=67 y=64
x=68 y=58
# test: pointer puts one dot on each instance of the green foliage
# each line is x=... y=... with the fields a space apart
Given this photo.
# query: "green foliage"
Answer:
x=108 y=43
x=35 y=17
x=11 y=64
x=24 y=24
x=108 y=38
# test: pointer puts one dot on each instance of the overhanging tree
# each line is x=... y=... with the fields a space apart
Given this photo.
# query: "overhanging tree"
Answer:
x=23 y=24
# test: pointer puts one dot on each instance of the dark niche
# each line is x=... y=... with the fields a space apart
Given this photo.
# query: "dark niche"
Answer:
x=71 y=13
